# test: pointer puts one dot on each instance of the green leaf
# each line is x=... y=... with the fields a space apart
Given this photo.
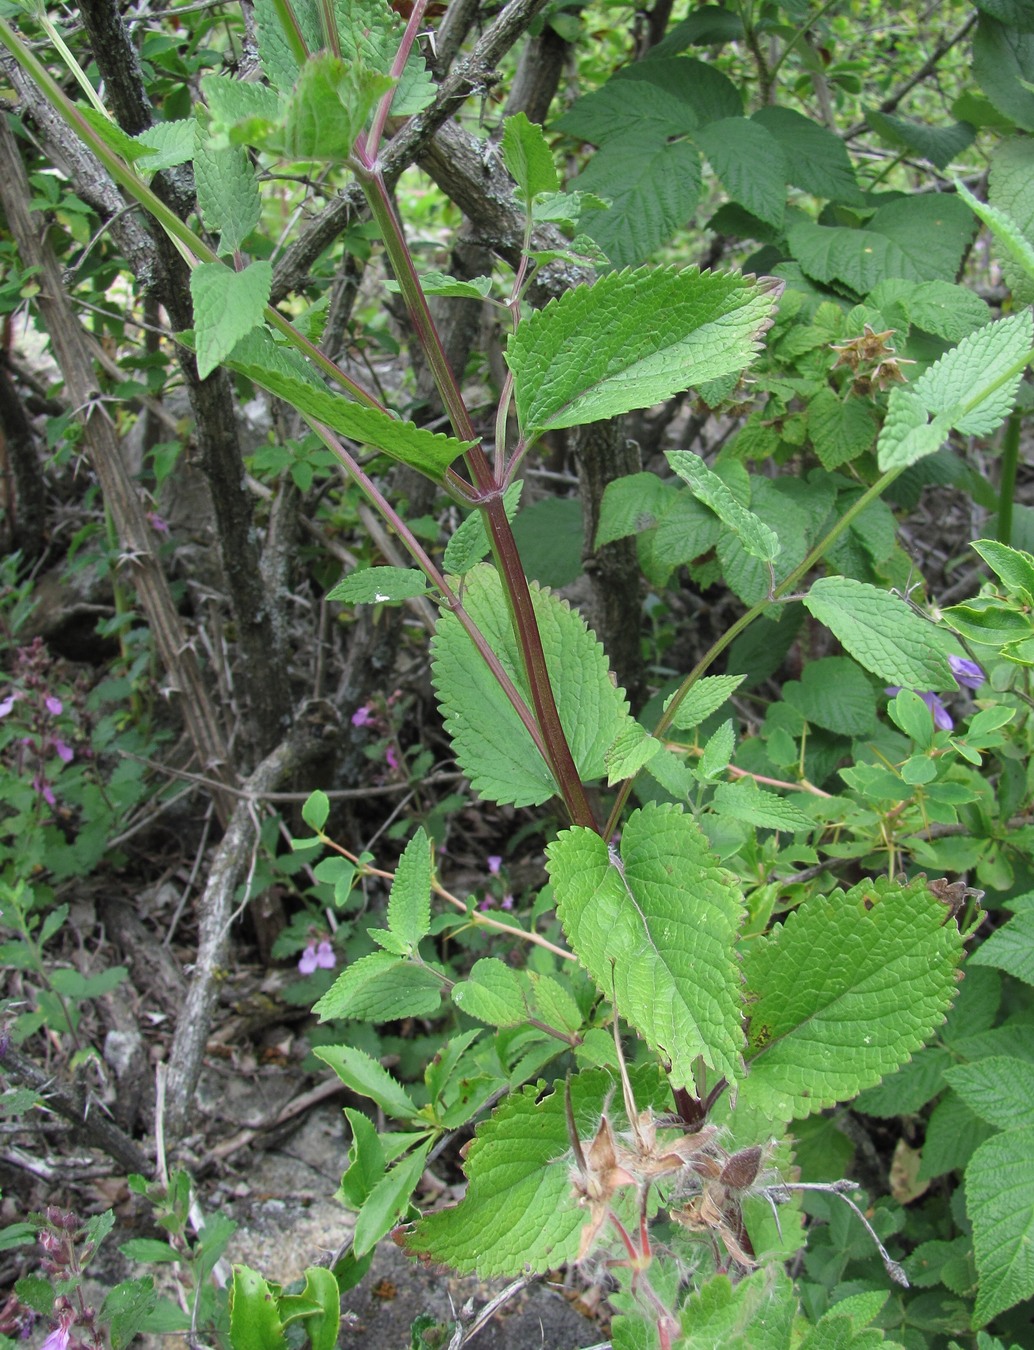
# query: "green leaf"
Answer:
x=842 y=992
x=372 y=31
x=167 y=144
x=955 y=386
x=717 y=752
x=254 y=1319
x=409 y=904
x=918 y=238
x=989 y=621
x=127 y=1308
x=999 y=1089
x=1010 y=948
x=756 y=537
x=366 y=1161
x=840 y=429
x=1019 y=261
x=632 y=504
x=227 y=196
x=834 y=694
x=493 y=747
x=318 y=1307
x=553 y=1003
x=947 y=311
x=746 y=801
x=1003 y=64
x=328 y=107
x=1000 y=1202
x=389 y=1200
x=755 y=1313
x=907 y=434
x=381 y=988
x=1014 y=13
x=285 y=374
x=704 y=698
x=940 y=145
x=470 y=542
x=881 y=633
x=633 y=748
x=750 y=162
x=633 y=339
x=379 y=585
x=1010 y=188
x=228 y=305
x=654 y=928
x=624 y=106
x=912 y=715
x=528 y=158
x=279 y=61
x=316 y=810
x=234 y=102
x=493 y=993
x=438 y=283
x=1013 y=567
x=364 y=1075
x=653 y=186
x=816 y=159
x=709 y=93
x=519 y=1210
x=907 y=1091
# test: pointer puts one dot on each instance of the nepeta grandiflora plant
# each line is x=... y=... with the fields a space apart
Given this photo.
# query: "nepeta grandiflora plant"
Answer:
x=739 y=1032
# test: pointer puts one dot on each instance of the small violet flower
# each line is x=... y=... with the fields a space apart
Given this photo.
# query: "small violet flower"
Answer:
x=494 y=863
x=390 y=758
x=64 y=752
x=157 y=522
x=7 y=704
x=54 y=705
x=58 y=1339
x=308 y=960
x=325 y=957
x=967 y=672
x=507 y=901
x=362 y=715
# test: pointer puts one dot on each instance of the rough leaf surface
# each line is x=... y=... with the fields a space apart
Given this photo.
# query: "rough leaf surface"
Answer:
x=228 y=305
x=633 y=339
x=843 y=992
x=492 y=745
x=655 y=929
x=881 y=633
x=1000 y=1201
x=519 y=1210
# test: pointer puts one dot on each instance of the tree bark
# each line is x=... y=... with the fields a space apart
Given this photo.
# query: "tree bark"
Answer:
x=27 y=515
x=260 y=621
x=139 y=563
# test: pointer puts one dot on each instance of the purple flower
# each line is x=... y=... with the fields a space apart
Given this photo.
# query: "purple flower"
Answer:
x=325 y=957
x=362 y=715
x=390 y=758
x=967 y=672
x=941 y=716
x=157 y=522
x=507 y=901
x=308 y=961
x=58 y=1339
x=44 y=789
x=7 y=704
x=494 y=863
x=54 y=705
x=64 y=752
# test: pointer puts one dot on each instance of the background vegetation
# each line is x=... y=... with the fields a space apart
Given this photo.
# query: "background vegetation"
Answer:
x=251 y=757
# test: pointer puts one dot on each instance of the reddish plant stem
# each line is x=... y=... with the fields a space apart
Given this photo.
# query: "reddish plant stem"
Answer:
x=557 y=753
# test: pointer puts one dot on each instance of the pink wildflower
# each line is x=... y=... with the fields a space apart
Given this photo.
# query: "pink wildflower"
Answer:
x=325 y=957
x=494 y=863
x=58 y=1338
x=390 y=758
x=157 y=523
x=64 y=752
x=54 y=705
x=967 y=672
x=7 y=704
x=308 y=960
x=362 y=715
x=507 y=901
